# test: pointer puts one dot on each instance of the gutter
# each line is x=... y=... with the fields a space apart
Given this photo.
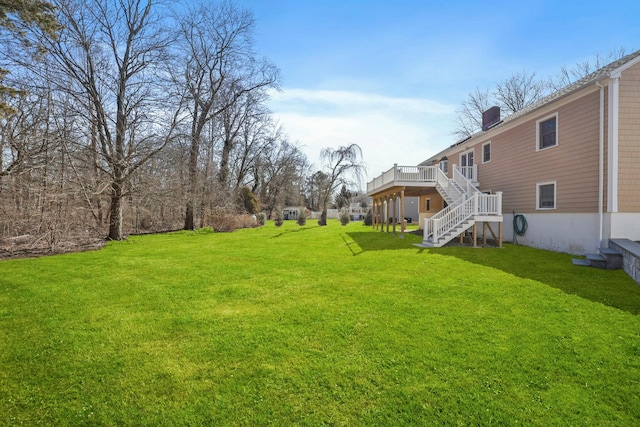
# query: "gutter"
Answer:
x=601 y=166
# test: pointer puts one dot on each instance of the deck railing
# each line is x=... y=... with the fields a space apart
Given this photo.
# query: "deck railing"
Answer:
x=407 y=174
x=423 y=174
x=469 y=172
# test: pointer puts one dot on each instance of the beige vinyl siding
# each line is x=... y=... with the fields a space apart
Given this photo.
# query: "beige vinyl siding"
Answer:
x=516 y=167
x=437 y=204
x=629 y=141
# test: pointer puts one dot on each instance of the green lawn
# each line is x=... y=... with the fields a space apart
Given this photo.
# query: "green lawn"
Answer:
x=315 y=326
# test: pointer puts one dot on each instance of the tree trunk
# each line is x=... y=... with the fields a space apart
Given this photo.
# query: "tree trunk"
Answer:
x=223 y=175
x=192 y=185
x=115 y=212
x=323 y=217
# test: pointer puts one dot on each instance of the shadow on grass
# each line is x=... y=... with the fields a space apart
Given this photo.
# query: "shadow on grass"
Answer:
x=367 y=241
x=613 y=288
x=295 y=230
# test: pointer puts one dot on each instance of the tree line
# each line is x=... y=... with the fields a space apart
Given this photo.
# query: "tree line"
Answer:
x=135 y=116
x=521 y=90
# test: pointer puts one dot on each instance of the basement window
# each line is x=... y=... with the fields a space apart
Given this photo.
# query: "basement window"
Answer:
x=546 y=195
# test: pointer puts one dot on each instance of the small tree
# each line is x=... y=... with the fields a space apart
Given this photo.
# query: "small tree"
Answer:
x=344 y=216
x=302 y=218
x=368 y=218
x=344 y=165
x=279 y=218
x=262 y=218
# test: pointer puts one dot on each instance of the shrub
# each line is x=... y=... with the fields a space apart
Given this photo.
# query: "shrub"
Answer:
x=279 y=218
x=344 y=216
x=248 y=200
x=368 y=218
x=262 y=218
x=302 y=218
x=222 y=220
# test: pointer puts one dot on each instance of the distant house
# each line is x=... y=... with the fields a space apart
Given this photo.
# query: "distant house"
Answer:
x=292 y=212
x=356 y=211
x=568 y=167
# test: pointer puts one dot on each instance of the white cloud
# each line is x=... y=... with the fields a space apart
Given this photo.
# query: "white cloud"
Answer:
x=389 y=130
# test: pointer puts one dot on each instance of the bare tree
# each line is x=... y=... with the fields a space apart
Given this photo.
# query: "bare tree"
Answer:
x=113 y=50
x=343 y=166
x=313 y=189
x=513 y=94
x=519 y=91
x=220 y=67
x=278 y=175
x=469 y=116
x=22 y=143
x=569 y=75
x=256 y=137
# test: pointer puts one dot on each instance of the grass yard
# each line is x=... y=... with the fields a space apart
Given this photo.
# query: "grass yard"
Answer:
x=315 y=326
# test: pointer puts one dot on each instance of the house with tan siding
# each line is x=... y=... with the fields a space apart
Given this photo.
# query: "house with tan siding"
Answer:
x=568 y=167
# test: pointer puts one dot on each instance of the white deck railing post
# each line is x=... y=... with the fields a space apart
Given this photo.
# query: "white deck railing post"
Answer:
x=475 y=204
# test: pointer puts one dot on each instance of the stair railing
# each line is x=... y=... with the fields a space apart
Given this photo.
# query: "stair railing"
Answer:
x=445 y=183
x=463 y=182
x=456 y=216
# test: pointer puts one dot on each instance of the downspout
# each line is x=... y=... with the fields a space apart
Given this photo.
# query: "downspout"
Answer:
x=601 y=166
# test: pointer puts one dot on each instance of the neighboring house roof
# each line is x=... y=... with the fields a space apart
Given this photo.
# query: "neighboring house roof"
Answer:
x=605 y=72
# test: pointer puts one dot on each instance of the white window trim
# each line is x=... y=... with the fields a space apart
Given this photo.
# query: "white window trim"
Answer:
x=490 y=152
x=444 y=166
x=464 y=153
x=544 y=119
x=555 y=195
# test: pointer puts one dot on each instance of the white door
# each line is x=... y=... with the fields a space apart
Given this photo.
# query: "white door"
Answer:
x=466 y=164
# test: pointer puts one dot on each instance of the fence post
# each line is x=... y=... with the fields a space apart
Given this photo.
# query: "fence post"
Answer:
x=499 y=202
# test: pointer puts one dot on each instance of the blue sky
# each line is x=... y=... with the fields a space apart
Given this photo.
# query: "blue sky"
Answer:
x=389 y=76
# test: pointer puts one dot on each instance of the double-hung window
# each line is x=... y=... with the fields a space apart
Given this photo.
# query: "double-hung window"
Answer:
x=547 y=132
x=486 y=152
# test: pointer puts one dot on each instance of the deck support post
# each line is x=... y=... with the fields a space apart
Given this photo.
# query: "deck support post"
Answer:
x=484 y=233
x=402 y=226
x=373 y=213
x=395 y=209
x=387 y=200
x=475 y=235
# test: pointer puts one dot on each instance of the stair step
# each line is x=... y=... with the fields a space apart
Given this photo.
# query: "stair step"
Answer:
x=596 y=260
x=609 y=251
x=581 y=262
x=612 y=257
